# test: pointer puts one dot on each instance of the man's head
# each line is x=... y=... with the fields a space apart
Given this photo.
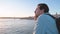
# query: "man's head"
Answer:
x=44 y=6
x=41 y=8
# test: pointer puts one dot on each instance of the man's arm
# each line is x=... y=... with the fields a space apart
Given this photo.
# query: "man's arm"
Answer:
x=41 y=25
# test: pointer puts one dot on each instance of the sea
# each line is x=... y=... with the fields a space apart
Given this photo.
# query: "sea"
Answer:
x=16 y=26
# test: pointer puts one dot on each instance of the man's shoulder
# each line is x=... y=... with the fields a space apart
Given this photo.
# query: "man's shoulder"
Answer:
x=44 y=16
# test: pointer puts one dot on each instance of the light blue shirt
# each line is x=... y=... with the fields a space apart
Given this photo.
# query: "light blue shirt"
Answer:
x=46 y=25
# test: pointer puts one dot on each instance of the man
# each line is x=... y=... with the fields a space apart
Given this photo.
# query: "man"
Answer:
x=45 y=23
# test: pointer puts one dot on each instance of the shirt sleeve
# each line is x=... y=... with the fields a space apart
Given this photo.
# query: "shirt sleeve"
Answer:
x=41 y=25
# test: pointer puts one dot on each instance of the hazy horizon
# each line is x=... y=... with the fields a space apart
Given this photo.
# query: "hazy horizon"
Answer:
x=25 y=8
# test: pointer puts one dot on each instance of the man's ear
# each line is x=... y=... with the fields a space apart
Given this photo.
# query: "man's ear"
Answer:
x=42 y=10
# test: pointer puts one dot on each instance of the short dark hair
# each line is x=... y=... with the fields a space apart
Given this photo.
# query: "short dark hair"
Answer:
x=44 y=6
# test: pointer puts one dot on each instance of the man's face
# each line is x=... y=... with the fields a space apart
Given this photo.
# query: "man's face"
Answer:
x=38 y=11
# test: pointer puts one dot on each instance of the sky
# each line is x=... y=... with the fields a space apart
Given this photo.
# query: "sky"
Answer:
x=25 y=8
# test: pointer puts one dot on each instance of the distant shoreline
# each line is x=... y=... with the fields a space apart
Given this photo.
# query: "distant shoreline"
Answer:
x=17 y=18
x=30 y=17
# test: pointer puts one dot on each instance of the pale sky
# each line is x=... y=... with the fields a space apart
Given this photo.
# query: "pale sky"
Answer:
x=25 y=8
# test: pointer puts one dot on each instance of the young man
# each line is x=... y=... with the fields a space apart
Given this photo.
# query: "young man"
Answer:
x=45 y=23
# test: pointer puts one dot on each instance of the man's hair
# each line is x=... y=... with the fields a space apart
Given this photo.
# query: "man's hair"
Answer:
x=44 y=6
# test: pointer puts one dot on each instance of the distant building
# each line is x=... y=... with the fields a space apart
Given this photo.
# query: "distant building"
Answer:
x=57 y=15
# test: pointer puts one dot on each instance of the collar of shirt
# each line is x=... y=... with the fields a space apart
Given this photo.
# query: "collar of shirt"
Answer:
x=42 y=14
